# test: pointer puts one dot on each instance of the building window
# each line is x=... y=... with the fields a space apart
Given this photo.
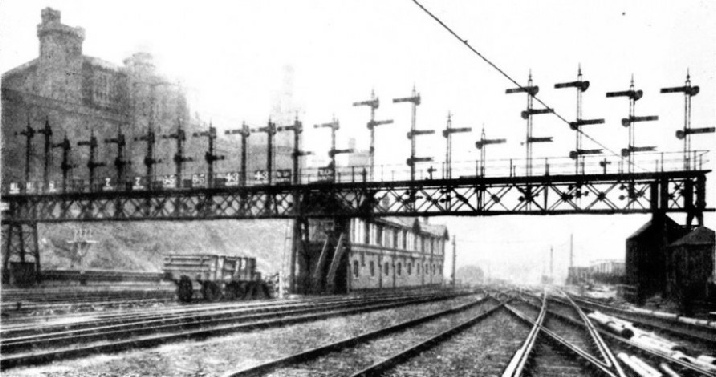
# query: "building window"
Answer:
x=356 y=271
x=396 y=232
x=405 y=240
x=400 y=268
x=433 y=268
x=378 y=234
x=387 y=269
x=362 y=259
x=366 y=236
x=418 y=265
x=410 y=268
x=372 y=268
x=427 y=272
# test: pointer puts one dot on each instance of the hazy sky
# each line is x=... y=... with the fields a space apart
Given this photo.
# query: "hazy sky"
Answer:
x=231 y=55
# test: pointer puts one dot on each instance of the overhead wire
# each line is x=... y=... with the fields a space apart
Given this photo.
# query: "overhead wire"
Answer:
x=508 y=77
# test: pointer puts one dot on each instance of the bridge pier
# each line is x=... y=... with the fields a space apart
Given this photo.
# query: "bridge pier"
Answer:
x=19 y=241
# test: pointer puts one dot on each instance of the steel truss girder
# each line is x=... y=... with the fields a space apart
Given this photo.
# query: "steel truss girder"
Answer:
x=537 y=195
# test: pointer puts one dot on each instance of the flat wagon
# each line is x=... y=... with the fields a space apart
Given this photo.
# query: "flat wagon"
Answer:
x=215 y=277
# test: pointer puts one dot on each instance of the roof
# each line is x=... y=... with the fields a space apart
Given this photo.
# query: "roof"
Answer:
x=101 y=63
x=668 y=222
x=699 y=236
x=438 y=230
x=20 y=68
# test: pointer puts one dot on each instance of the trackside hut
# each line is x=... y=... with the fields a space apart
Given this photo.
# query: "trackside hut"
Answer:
x=690 y=272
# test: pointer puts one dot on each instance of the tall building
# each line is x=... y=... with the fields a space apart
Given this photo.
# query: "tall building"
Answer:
x=79 y=94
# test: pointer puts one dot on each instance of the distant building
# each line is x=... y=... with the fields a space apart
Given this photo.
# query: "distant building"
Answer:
x=609 y=267
x=77 y=94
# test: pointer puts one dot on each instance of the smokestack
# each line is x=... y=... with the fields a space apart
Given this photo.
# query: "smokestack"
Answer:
x=453 y=261
x=571 y=250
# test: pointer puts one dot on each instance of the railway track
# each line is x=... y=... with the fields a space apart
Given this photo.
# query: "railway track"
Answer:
x=477 y=339
x=657 y=360
x=697 y=338
x=346 y=356
x=17 y=304
x=152 y=329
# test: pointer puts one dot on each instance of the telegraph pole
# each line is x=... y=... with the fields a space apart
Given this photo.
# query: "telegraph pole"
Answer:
x=686 y=132
x=65 y=166
x=245 y=133
x=29 y=133
x=92 y=164
x=297 y=129
x=633 y=95
x=334 y=126
x=149 y=160
x=179 y=158
x=373 y=103
x=47 y=131
x=531 y=90
x=414 y=99
x=270 y=131
x=120 y=162
x=447 y=133
x=578 y=153
x=481 y=146
x=210 y=157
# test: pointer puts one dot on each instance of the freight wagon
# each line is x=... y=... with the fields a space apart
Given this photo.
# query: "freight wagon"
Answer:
x=215 y=277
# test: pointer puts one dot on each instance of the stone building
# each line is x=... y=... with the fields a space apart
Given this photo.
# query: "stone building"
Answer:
x=79 y=94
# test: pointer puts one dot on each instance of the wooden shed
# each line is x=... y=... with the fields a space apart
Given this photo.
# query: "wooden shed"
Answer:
x=690 y=267
x=646 y=256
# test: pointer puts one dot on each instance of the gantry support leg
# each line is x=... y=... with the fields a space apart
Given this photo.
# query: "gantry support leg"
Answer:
x=297 y=251
x=689 y=202
x=7 y=230
x=21 y=240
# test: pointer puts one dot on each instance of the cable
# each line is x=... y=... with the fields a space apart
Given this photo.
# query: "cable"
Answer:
x=493 y=65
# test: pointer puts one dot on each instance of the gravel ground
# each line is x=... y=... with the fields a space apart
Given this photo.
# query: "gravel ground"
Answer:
x=352 y=359
x=482 y=350
x=578 y=336
x=215 y=356
x=528 y=310
x=563 y=309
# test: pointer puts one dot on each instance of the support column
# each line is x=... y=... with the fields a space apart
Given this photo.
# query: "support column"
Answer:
x=20 y=240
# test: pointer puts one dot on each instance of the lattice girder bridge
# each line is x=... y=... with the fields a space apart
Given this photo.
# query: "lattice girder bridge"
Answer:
x=661 y=192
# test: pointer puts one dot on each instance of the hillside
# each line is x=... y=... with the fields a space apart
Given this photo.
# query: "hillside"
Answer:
x=140 y=246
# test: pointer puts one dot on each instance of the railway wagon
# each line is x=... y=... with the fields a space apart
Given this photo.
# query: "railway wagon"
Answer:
x=381 y=253
x=215 y=277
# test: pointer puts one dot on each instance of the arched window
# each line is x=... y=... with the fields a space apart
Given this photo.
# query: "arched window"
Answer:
x=400 y=268
x=356 y=270
x=387 y=269
x=410 y=268
x=372 y=268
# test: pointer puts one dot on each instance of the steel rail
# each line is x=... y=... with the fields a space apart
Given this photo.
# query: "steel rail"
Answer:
x=519 y=360
x=664 y=357
x=13 y=360
x=395 y=359
x=604 y=350
x=161 y=324
x=346 y=343
x=551 y=336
